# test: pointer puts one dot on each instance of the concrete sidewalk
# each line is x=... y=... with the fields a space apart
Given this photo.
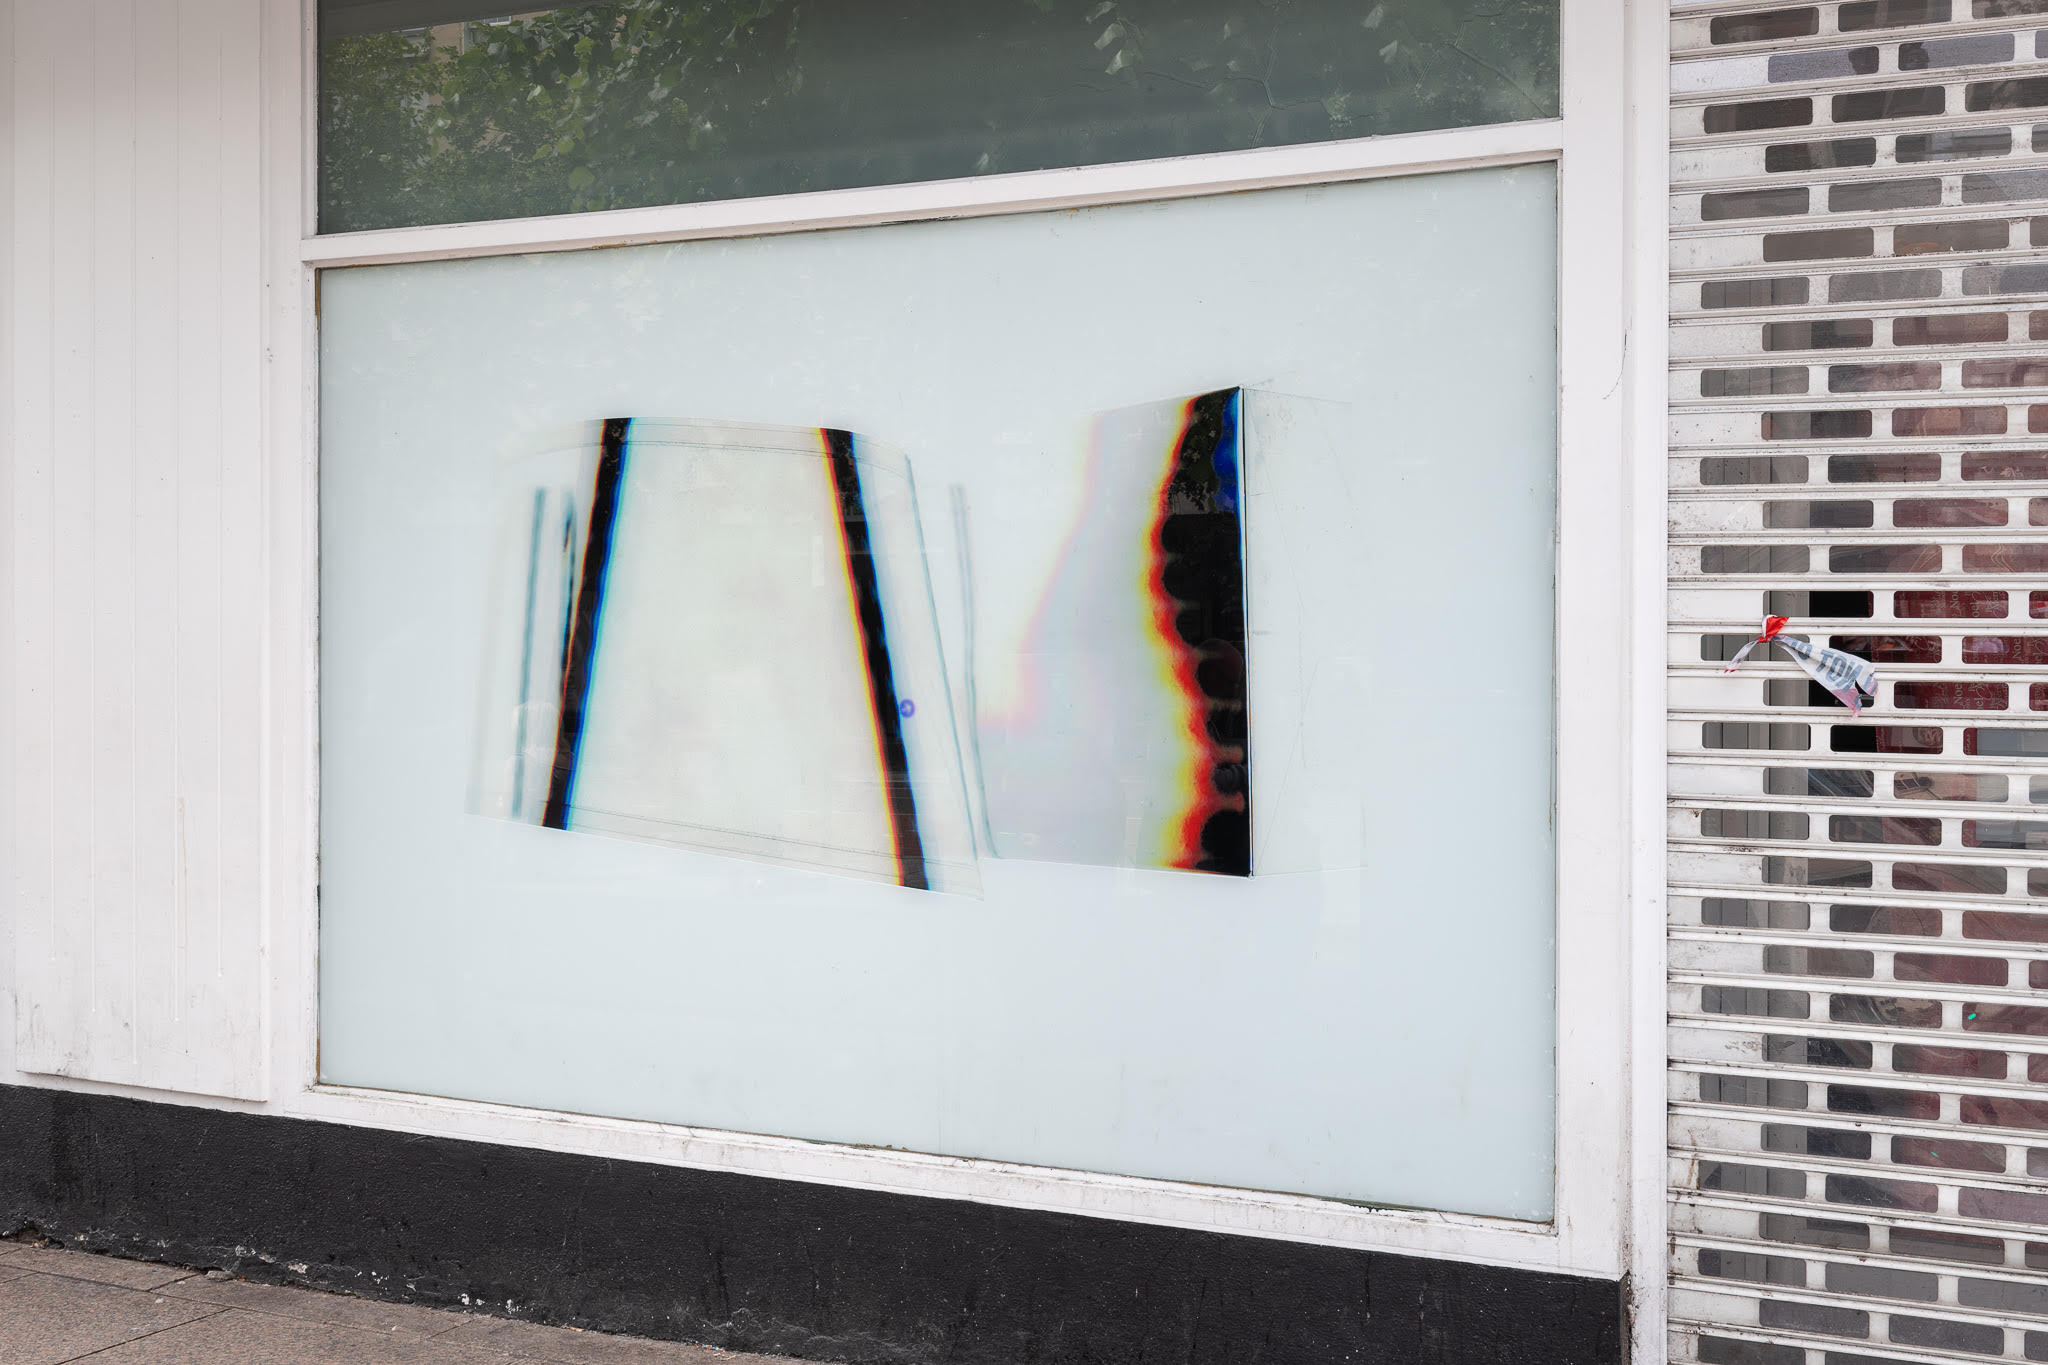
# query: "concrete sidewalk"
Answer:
x=58 y=1306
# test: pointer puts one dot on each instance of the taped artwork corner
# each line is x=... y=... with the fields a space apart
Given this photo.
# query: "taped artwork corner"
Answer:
x=724 y=638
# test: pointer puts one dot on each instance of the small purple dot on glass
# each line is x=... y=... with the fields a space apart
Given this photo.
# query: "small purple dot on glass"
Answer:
x=906 y=708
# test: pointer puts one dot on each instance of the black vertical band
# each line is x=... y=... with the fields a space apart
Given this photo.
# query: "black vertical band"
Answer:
x=867 y=601
x=580 y=655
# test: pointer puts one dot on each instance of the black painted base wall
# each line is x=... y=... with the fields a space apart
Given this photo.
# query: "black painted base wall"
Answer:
x=745 y=1262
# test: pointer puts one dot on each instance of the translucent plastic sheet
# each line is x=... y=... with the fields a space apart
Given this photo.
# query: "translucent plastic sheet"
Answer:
x=1128 y=743
x=722 y=637
x=719 y=637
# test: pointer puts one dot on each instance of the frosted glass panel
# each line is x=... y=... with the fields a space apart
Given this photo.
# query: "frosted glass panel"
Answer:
x=435 y=111
x=1073 y=688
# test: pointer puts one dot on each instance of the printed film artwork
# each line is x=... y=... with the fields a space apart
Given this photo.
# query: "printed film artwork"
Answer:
x=723 y=637
x=1130 y=748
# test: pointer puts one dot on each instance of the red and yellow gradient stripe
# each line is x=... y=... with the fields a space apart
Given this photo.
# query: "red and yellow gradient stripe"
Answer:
x=1195 y=766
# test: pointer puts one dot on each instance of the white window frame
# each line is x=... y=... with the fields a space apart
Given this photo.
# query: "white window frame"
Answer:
x=1610 y=146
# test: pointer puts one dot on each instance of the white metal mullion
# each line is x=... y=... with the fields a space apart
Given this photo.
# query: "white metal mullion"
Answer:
x=1609 y=485
x=984 y=196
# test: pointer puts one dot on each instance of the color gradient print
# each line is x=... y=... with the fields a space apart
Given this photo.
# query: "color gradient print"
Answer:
x=720 y=637
x=1196 y=585
x=1129 y=745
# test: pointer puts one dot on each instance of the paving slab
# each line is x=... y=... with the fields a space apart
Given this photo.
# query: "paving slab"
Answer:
x=233 y=1337
x=59 y=1306
x=50 y=1319
x=528 y=1341
x=398 y=1320
x=80 y=1265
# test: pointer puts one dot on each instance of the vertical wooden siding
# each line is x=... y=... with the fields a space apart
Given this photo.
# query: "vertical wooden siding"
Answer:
x=137 y=541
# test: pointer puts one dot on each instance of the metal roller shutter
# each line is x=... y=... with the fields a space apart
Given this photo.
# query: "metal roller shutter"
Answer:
x=1859 y=935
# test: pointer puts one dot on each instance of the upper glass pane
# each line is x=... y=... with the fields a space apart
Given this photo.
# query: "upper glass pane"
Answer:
x=440 y=111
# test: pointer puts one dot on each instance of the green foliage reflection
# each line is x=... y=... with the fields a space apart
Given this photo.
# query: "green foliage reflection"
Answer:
x=637 y=102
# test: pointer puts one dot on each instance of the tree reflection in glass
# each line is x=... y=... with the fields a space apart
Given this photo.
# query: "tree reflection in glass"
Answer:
x=472 y=112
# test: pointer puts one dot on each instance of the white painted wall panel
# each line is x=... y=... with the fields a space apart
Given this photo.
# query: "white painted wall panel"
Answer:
x=137 y=542
x=7 y=674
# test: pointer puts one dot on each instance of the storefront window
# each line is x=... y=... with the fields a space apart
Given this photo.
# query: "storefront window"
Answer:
x=436 y=111
x=1069 y=688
